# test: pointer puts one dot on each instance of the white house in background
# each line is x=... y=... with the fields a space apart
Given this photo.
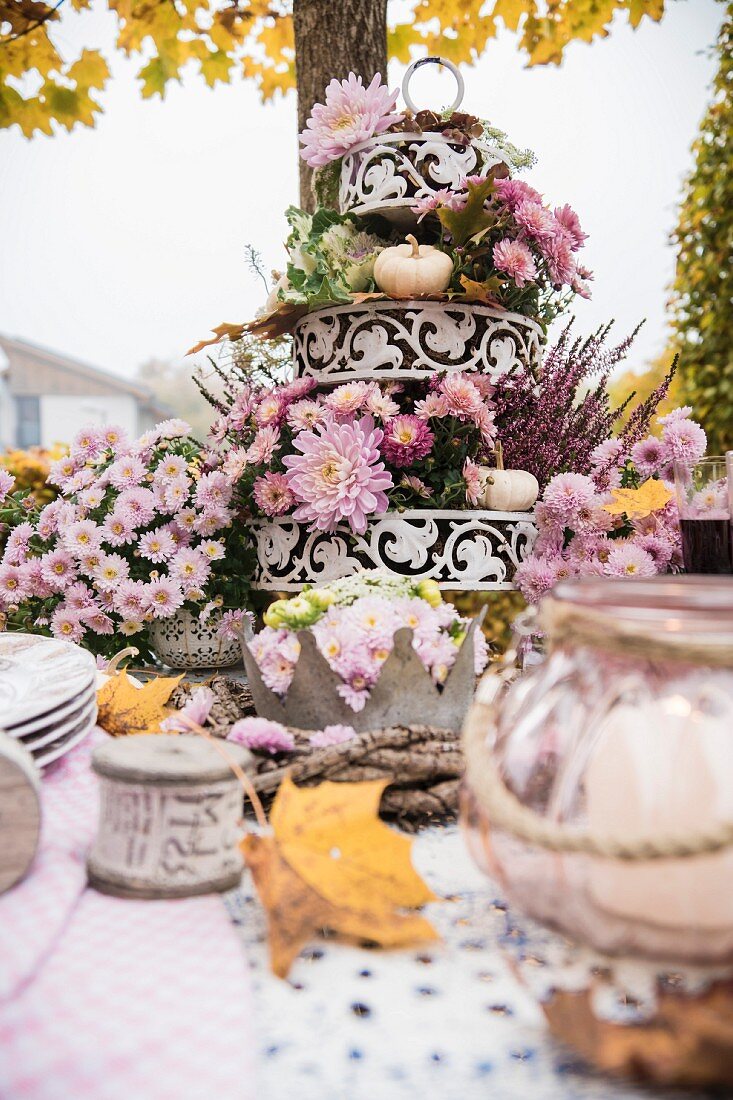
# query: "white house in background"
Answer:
x=45 y=398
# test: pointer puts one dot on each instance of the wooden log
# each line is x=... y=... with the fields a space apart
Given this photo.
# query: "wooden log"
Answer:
x=20 y=811
x=169 y=817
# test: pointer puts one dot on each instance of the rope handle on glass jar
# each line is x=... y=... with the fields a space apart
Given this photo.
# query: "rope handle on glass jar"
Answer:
x=505 y=811
x=446 y=64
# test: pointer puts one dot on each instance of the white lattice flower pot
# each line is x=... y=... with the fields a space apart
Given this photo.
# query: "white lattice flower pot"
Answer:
x=413 y=339
x=387 y=174
x=183 y=641
x=471 y=549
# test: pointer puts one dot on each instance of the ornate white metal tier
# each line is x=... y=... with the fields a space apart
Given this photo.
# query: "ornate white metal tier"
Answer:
x=388 y=173
x=461 y=549
x=413 y=339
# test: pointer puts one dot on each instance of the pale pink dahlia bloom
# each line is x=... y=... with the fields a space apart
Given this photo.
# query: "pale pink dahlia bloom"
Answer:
x=339 y=475
x=350 y=115
x=272 y=494
x=407 y=439
x=515 y=260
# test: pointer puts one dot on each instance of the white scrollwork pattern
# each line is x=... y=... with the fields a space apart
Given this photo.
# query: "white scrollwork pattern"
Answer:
x=388 y=173
x=458 y=549
x=413 y=340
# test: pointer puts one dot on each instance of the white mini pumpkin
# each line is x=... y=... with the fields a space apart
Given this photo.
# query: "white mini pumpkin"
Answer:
x=410 y=269
x=507 y=490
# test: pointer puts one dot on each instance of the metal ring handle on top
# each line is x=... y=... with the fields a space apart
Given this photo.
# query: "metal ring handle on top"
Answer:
x=433 y=61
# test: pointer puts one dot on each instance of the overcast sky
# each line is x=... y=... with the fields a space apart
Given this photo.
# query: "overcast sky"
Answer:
x=126 y=242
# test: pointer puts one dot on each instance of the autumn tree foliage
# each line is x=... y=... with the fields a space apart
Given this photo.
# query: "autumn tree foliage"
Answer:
x=41 y=86
x=702 y=297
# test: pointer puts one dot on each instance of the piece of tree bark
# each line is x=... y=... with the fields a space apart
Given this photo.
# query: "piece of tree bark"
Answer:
x=332 y=40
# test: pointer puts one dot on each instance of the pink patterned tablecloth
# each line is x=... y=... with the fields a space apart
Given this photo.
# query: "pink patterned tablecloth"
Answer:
x=104 y=998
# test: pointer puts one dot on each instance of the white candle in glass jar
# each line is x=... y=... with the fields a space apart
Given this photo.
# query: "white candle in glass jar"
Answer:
x=663 y=768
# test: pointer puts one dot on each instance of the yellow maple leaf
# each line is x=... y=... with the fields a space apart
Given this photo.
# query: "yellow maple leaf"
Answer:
x=638 y=503
x=332 y=864
x=126 y=708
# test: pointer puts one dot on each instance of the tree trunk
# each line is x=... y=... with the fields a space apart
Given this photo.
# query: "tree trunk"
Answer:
x=331 y=40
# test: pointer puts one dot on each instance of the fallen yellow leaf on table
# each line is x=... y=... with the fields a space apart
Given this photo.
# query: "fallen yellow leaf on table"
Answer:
x=638 y=503
x=127 y=708
x=332 y=864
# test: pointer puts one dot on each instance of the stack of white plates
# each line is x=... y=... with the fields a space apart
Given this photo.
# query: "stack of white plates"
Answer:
x=48 y=697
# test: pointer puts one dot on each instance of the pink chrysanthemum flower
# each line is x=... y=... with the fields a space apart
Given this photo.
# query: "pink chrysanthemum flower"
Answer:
x=112 y=569
x=269 y=410
x=474 y=487
x=210 y=522
x=462 y=398
x=171 y=467
x=82 y=536
x=263 y=446
x=347 y=399
x=163 y=597
x=381 y=405
x=350 y=115
x=88 y=443
x=433 y=405
x=172 y=495
x=511 y=192
x=78 y=595
x=61 y=470
x=157 y=546
x=684 y=440
x=629 y=560
x=339 y=475
x=130 y=599
x=261 y=735
x=568 y=494
x=444 y=197
x=196 y=710
x=659 y=549
x=94 y=618
x=16 y=548
x=570 y=223
x=126 y=472
x=67 y=625
x=536 y=220
x=7 y=481
x=58 y=568
x=190 y=568
x=332 y=735
x=92 y=497
x=407 y=439
x=13 y=585
x=114 y=437
x=606 y=454
x=231 y=624
x=304 y=415
x=173 y=428
x=272 y=494
x=116 y=531
x=560 y=260
x=648 y=455
x=416 y=485
x=213 y=491
x=515 y=260
x=136 y=506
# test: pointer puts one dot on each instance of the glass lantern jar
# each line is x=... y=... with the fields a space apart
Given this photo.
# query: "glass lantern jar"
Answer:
x=599 y=784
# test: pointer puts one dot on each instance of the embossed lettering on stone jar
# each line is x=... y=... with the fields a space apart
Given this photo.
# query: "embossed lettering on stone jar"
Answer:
x=184 y=641
x=600 y=784
x=170 y=807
